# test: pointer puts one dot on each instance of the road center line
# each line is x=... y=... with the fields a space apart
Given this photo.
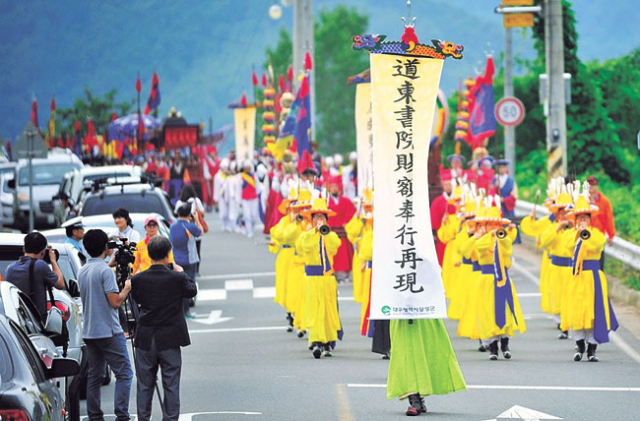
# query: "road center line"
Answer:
x=237 y=276
x=526 y=273
x=511 y=387
x=237 y=329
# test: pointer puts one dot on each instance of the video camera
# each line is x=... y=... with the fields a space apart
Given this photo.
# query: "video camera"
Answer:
x=124 y=258
x=46 y=257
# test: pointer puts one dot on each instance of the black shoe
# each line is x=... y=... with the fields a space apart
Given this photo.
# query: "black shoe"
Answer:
x=317 y=352
x=311 y=345
x=386 y=357
x=579 y=350
x=289 y=328
x=423 y=407
x=504 y=347
x=414 y=405
x=493 y=351
x=591 y=353
x=482 y=348
x=559 y=327
x=300 y=333
x=564 y=335
x=327 y=351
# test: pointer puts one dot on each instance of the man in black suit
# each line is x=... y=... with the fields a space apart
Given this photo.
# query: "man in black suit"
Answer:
x=161 y=328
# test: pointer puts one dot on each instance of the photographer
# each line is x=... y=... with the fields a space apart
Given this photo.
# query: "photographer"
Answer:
x=32 y=275
x=102 y=332
x=161 y=328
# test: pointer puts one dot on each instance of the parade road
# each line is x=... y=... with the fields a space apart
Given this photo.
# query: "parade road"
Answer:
x=242 y=363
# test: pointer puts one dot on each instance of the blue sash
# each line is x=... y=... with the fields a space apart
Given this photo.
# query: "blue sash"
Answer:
x=600 y=331
x=566 y=262
x=467 y=261
x=476 y=266
x=286 y=246
x=313 y=270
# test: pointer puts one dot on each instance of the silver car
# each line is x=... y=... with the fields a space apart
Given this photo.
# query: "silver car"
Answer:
x=7 y=194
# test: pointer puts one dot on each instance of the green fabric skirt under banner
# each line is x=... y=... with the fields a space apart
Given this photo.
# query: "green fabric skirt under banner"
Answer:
x=422 y=360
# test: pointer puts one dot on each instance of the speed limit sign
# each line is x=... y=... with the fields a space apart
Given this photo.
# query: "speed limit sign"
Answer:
x=509 y=111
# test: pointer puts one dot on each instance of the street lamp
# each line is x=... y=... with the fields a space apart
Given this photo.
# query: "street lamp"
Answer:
x=275 y=12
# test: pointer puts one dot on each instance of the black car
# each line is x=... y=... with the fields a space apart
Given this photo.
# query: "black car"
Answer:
x=27 y=388
x=140 y=198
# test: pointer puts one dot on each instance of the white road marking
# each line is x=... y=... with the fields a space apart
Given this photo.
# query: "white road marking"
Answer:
x=526 y=273
x=237 y=276
x=529 y=294
x=345 y=298
x=212 y=294
x=214 y=317
x=238 y=329
x=623 y=345
x=186 y=417
x=521 y=413
x=506 y=387
x=241 y=285
x=264 y=292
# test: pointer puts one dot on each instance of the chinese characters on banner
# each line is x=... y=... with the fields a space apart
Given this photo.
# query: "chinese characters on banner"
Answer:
x=406 y=280
x=245 y=131
x=364 y=136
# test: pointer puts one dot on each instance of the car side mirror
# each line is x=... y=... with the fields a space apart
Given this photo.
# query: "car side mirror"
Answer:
x=73 y=287
x=63 y=367
x=11 y=184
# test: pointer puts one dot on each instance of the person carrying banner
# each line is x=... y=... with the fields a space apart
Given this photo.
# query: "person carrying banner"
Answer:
x=318 y=246
x=499 y=309
x=587 y=310
x=343 y=209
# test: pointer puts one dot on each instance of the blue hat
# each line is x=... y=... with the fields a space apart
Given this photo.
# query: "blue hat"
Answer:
x=486 y=158
x=452 y=157
x=503 y=161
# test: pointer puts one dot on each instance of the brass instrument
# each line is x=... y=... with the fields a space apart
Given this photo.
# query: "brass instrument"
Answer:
x=585 y=234
x=501 y=233
x=324 y=229
x=299 y=218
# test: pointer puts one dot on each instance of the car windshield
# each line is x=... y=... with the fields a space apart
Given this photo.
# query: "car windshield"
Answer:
x=8 y=255
x=94 y=177
x=6 y=366
x=45 y=173
x=6 y=174
x=134 y=202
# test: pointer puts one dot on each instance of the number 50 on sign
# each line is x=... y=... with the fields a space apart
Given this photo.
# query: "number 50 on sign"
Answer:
x=509 y=111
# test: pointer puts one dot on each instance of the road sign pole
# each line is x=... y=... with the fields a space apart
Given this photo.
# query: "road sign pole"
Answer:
x=30 y=157
x=509 y=132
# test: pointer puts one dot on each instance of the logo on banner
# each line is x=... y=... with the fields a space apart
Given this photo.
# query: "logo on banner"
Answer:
x=386 y=310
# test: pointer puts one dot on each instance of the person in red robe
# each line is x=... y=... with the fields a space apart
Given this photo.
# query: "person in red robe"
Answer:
x=344 y=209
x=438 y=209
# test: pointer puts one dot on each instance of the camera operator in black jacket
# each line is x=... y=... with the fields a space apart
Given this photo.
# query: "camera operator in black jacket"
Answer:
x=161 y=328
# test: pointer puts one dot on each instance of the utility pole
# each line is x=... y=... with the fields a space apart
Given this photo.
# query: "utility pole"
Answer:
x=557 y=119
x=302 y=43
x=30 y=135
x=509 y=131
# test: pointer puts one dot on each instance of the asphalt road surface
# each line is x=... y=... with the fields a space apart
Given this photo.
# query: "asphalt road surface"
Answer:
x=243 y=365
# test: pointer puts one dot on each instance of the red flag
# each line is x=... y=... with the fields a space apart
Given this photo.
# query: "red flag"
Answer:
x=290 y=73
x=264 y=80
x=254 y=78
x=281 y=83
x=77 y=126
x=53 y=104
x=243 y=100
x=138 y=85
x=307 y=61
x=34 y=112
x=114 y=116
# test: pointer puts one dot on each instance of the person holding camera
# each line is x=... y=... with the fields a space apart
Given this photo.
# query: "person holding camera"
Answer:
x=102 y=332
x=183 y=235
x=32 y=275
x=161 y=328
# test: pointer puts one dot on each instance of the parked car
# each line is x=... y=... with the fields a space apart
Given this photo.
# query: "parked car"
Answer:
x=28 y=389
x=48 y=175
x=69 y=197
x=13 y=303
x=138 y=198
x=8 y=195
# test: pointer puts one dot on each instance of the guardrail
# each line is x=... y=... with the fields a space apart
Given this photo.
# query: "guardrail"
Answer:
x=623 y=250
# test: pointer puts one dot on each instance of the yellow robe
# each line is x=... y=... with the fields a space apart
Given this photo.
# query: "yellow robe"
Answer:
x=365 y=254
x=354 y=229
x=558 y=276
x=321 y=293
x=486 y=296
x=461 y=281
x=282 y=261
x=446 y=233
x=468 y=327
x=293 y=281
x=297 y=276
x=579 y=308
x=535 y=228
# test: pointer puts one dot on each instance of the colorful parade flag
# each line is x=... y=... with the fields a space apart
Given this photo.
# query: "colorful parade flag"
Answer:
x=482 y=121
x=34 y=111
x=154 y=95
x=51 y=127
x=245 y=131
x=406 y=281
x=301 y=135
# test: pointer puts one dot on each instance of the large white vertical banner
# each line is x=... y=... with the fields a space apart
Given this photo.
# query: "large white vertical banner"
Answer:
x=406 y=280
x=364 y=136
x=245 y=131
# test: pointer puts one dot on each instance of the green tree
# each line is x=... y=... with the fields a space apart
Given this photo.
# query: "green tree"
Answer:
x=335 y=61
x=280 y=57
x=99 y=109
